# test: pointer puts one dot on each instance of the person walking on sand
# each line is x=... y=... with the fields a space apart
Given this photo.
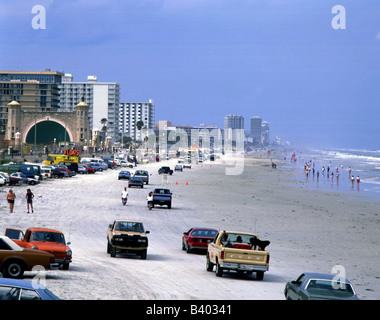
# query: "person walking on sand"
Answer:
x=29 y=199
x=11 y=200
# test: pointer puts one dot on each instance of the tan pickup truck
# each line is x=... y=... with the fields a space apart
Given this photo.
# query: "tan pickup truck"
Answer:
x=238 y=251
x=127 y=236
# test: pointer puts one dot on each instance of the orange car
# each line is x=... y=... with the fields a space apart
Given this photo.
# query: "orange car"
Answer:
x=49 y=240
x=14 y=260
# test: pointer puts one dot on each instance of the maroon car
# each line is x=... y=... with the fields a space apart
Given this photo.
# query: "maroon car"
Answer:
x=198 y=238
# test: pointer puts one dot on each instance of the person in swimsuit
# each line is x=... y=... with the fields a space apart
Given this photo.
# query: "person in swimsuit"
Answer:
x=11 y=200
x=29 y=199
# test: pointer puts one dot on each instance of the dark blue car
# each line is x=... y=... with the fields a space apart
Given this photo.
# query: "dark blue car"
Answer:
x=15 y=289
x=320 y=286
x=124 y=175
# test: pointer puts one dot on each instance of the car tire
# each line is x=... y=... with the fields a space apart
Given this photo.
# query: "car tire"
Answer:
x=183 y=246
x=13 y=269
x=259 y=275
x=209 y=264
x=32 y=183
x=108 y=247
x=113 y=251
x=188 y=248
x=219 y=270
x=143 y=255
x=65 y=266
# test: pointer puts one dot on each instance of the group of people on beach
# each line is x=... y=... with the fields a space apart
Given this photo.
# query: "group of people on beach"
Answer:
x=11 y=197
x=310 y=167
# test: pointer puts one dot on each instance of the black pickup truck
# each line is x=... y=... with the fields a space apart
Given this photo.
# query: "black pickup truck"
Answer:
x=165 y=170
x=162 y=197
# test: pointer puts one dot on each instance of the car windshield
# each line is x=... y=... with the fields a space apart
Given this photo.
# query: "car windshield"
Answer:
x=204 y=233
x=124 y=172
x=330 y=287
x=129 y=226
x=141 y=173
x=47 y=236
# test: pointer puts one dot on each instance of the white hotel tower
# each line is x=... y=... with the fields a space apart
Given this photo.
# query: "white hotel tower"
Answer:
x=103 y=99
x=132 y=112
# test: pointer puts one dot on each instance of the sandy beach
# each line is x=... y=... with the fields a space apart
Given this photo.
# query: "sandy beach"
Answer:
x=310 y=230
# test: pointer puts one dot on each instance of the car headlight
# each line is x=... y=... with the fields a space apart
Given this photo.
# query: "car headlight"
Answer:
x=69 y=252
x=141 y=240
x=118 y=239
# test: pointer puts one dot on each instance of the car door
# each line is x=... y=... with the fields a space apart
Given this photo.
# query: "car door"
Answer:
x=17 y=236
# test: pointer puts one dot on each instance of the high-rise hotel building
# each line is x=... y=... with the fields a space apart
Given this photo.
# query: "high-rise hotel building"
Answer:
x=232 y=122
x=256 y=127
x=103 y=99
x=34 y=90
x=131 y=113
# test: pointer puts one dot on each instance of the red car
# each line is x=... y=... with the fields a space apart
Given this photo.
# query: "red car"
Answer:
x=89 y=169
x=198 y=238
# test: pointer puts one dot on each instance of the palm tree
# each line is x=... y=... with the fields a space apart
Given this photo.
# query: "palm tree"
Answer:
x=104 y=122
x=139 y=124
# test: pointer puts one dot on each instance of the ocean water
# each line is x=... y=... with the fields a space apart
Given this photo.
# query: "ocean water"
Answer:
x=345 y=162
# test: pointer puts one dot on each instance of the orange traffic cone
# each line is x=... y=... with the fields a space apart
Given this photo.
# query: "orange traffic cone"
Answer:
x=187 y=183
x=176 y=182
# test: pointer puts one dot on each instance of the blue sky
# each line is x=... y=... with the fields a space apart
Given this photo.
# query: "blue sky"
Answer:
x=200 y=60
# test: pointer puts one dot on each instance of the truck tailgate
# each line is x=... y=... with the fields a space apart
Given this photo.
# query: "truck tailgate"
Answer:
x=246 y=256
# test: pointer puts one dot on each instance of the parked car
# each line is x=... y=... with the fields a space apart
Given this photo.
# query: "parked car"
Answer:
x=178 y=167
x=89 y=169
x=187 y=165
x=71 y=173
x=165 y=170
x=98 y=166
x=25 y=179
x=4 y=178
x=46 y=172
x=16 y=289
x=110 y=164
x=14 y=260
x=66 y=172
x=125 y=163
x=136 y=182
x=11 y=180
x=197 y=238
x=124 y=175
x=82 y=169
x=70 y=165
x=49 y=240
x=143 y=174
x=57 y=173
x=319 y=286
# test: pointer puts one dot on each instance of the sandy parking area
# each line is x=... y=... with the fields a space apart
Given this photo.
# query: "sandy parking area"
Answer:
x=309 y=230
